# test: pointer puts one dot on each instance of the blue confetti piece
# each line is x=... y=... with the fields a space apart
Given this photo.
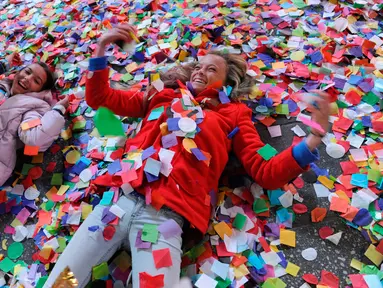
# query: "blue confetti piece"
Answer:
x=232 y=133
x=198 y=154
x=93 y=228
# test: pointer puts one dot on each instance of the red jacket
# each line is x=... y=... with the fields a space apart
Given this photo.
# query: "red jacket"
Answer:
x=187 y=189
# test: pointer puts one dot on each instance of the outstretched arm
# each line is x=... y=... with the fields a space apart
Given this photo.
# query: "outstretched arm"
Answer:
x=98 y=91
x=280 y=169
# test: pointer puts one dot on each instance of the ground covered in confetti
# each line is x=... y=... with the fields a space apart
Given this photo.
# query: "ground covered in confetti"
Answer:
x=325 y=227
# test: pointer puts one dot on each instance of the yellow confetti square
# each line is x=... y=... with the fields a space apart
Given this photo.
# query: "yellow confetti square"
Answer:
x=260 y=64
x=287 y=237
x=85 y=210
x=222 y=228
x=278 y=65
x=356 y=264
x=326 y=182
x=241 y=271
x=374 y=255
x=292 y=269
x=63 y=189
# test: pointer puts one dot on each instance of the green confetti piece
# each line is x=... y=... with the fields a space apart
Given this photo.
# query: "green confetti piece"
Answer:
x=282 y=109
x=239 y=221
x=150 y=233
x=259 y=206
x=79 y=125
x=49 y=205
x=298 y=32
x=7 y=265
x=377 y=228
x=100 y=271
x=41 y=282
x=274 y=283
x=222 y=283
x=107 y=123
x=15 y=250
x=267 y=152
x=26 y=168
x=358 y=126
x=156 y=113
x=62 y=244
x=341 y=104
x=127 y=77
x=21 y=263
x=370 y=98
x=57 y=179
x=374 y=175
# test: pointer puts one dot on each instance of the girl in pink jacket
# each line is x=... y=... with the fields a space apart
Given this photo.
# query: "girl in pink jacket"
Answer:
x=26 y=114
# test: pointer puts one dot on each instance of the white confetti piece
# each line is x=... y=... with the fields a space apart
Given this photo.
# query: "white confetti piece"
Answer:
x=298 y=131
x=335 y=150
x=116 y=210
x=20 y=233
x=335 y=238
x=321 y=190
x=187 y=125
x=31 y=193
x=275 y=131
x=310 y=254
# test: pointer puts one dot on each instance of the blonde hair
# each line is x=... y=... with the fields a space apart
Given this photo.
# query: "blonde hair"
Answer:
x=236 y=76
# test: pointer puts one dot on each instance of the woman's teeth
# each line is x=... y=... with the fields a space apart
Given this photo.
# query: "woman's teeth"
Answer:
x=21 y=85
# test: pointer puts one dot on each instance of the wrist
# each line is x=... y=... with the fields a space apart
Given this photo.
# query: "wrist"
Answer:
x=59 y=108
x=313 y=141
x=100 y=51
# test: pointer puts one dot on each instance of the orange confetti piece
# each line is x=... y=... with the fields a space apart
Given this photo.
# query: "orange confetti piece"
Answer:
x=318 y=214
x=31 y=150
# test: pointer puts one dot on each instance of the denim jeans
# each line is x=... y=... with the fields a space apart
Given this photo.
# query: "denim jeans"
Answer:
x=83 y=251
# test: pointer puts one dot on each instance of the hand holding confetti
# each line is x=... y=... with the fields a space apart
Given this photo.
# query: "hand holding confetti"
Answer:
x=124 y=32
x=14 y=59
x=64 y=101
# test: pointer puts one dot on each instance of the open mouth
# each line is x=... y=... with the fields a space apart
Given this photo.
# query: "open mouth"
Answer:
x=198 y=80
x=21 y=85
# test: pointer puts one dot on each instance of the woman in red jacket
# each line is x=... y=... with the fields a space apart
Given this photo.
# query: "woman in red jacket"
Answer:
x=179 y=154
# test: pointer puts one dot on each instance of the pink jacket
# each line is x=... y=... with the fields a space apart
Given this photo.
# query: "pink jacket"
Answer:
x=21 y=108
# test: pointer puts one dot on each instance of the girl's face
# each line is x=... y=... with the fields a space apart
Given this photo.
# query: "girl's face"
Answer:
x=211 y=69
x=30 y=79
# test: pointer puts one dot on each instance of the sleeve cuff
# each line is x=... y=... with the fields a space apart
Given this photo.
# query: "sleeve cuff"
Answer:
x=4 y=66
x=59 y=108
x=303 y=155
x=98 y=63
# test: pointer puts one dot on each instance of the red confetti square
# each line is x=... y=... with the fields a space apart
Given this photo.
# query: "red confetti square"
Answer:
x=162 y=258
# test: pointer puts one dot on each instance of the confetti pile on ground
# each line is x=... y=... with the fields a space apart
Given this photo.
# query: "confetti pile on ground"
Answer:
x=291 y=48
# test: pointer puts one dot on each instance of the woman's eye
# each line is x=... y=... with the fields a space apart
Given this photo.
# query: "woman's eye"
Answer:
x=212 y=69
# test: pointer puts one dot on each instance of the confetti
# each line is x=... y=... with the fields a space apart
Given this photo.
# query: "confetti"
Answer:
x=310 y=254
x=329 y=49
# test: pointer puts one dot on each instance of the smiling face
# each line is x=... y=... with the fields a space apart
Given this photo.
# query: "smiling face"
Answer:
x=211 y=69
x=30 y=79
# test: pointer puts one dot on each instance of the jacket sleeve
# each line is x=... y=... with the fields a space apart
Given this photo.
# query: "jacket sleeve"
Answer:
x=99 y=93
x=4 y=66
x=42 y=135
x=271 y=174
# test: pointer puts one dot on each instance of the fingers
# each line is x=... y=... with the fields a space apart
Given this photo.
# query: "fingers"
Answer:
x=128 y=28
x=123 y=35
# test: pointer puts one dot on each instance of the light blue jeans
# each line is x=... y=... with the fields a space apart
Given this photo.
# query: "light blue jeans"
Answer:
x=83 y=251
